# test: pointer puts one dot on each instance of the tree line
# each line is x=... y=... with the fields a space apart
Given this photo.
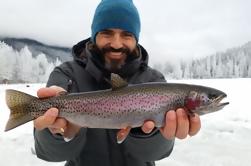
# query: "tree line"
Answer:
x=233 y=63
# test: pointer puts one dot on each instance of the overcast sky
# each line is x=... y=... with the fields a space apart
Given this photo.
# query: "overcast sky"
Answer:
x=180 y=28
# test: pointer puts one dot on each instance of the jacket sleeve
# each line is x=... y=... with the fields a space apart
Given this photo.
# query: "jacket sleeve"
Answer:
x=153 y=146
x=149 y=148
x=53 y=147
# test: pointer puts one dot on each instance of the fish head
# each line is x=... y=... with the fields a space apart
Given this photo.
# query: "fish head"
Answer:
x=204 y=100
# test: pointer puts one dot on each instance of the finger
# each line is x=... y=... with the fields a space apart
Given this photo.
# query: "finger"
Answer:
x=59 y=126
x=49 y=92
x=195 y=125
x=57 y=130
x=46 y=120
x=60 y=123
x=169 y=130
x=182 y=124
x=122 y=134
x=46 y=92
x=71 y=130
x=148 y=126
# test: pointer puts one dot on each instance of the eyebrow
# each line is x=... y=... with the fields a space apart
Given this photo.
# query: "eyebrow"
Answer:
x=127 y=32
x=106 y=30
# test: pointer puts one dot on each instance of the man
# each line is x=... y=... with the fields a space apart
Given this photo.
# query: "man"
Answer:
x=112 y=48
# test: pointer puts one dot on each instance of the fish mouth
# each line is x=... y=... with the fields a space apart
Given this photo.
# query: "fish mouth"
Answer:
x=216 y=104
x=218 y=101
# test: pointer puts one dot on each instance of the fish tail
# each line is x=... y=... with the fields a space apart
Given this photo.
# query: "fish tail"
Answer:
x=17 y=102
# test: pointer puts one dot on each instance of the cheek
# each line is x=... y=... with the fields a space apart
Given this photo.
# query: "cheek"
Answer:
x=133 y=46
x=101 y=43
x=130 y=43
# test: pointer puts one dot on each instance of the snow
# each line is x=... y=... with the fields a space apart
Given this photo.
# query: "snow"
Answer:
x=16 y=145
x=170 y=29
x=16 y=68
x=224 y=139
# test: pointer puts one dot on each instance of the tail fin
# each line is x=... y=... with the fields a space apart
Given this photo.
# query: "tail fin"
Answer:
x=17 y=102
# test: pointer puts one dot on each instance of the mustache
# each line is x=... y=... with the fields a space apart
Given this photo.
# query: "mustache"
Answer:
x=99 y=52
x=111 y=49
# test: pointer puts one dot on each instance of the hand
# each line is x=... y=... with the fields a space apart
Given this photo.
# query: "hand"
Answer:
x=50 y=119
x=177 y=124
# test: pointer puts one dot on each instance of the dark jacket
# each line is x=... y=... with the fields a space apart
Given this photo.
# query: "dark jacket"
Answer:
x=98 y=147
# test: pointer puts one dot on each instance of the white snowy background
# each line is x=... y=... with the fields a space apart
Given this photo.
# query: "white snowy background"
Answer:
x=224 y=139
x=170 y=30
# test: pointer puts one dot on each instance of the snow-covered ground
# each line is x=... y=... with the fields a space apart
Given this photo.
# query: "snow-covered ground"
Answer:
x=16 y=145
x=224 y=139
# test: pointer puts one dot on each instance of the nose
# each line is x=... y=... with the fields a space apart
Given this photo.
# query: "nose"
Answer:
x=116 y=41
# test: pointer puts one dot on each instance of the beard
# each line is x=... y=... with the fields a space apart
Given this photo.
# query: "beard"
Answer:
x=113 y=65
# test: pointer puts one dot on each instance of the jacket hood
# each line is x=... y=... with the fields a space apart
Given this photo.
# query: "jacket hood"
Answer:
x=83 y=56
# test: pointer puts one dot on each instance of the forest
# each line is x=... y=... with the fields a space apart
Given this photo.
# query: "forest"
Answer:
x=233 y=63
x=21 y=66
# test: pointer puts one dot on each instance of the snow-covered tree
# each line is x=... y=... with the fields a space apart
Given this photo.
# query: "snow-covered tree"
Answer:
x=22 y=66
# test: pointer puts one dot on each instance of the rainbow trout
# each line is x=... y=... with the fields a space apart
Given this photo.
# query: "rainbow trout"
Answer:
x=119 y=107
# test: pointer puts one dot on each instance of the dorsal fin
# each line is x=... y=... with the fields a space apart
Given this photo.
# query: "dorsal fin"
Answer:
x=117 y=81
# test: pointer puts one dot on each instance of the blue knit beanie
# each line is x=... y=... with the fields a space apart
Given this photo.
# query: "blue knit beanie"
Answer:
x=120 y=14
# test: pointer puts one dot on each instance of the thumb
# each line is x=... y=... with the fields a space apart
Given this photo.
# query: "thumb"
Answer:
x=47 y=119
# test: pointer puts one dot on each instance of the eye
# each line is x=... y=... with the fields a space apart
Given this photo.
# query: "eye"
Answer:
x=127 y=34
x=105 y=33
